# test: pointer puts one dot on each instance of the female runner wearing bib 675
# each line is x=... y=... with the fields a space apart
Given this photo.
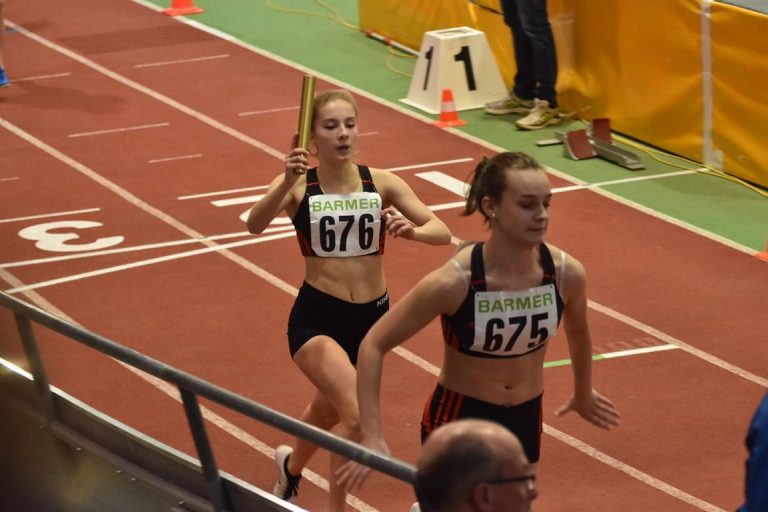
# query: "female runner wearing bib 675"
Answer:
x=500 y=302
x=342 y=212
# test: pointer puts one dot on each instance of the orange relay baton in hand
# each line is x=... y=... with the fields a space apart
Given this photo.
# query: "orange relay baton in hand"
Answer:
x=305 y=113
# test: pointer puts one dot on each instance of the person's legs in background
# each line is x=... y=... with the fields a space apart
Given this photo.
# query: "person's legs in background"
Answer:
x=533 y=23
x=538 y=59
x=522 y=92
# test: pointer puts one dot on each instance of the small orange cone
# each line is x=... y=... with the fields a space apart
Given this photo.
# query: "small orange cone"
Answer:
x=763 y=255
x=182 y=7
x=448 y=114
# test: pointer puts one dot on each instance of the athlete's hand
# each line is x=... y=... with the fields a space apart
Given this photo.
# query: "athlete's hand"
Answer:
x=353 y=474
x=397 y=225
x=296 y=164
x=594 y=408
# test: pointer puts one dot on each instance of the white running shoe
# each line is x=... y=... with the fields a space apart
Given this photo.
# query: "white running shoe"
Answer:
x=512 y=104
x=287 y=485
x=541 y=115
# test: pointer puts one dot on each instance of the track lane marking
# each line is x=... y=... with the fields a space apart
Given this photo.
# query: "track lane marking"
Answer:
x=118 y=130
x=174 y=158
x=48 y=215
x=180 y=61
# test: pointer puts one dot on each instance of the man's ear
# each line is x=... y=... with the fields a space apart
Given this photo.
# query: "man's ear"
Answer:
x=481 y=497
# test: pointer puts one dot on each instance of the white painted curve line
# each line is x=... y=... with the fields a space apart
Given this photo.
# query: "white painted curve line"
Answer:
x=12 y=178
x=367 y=134
x=640 y=326
x=631 y=471
x=149 y=92
x=267 y=111
x=48 y=215
x=181 y=61
x=118 y=130
x=174 y=158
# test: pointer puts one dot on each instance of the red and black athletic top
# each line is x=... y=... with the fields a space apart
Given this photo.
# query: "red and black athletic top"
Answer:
x=301 y=220
x=459 y=328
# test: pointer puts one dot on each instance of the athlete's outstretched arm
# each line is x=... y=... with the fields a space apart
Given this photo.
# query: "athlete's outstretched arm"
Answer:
x=587 y=402
x=441 y=291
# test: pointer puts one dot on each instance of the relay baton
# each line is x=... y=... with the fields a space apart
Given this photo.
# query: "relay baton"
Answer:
x=305 y=114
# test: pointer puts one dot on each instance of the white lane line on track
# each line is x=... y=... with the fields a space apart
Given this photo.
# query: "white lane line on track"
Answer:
x=41 y=77
x=118 y=130
x=268 y=111
x=181 y=61
x=11 y=178
x=223 y=192
x=48 y=215
x=270 y=150
x=430 y=164
x=174 y=158
x=622 y=181
x=631 y=471
x=666 y=338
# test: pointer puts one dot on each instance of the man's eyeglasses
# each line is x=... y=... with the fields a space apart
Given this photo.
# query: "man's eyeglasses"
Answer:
x=531 y=479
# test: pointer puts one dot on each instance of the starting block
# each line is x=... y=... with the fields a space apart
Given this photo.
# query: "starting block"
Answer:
x=458 y=59
x=582 y=144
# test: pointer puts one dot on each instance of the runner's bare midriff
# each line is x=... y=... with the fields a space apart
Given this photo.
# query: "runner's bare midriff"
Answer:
x=500 y=381
x=359 y=279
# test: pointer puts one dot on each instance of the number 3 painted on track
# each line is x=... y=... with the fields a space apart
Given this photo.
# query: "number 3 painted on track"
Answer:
x=57 y=242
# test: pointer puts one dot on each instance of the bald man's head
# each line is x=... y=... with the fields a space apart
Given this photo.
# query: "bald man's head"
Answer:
x=464 y=461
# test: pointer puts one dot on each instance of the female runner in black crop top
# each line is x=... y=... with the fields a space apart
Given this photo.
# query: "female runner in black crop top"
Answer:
x=495 y=325
x=340 y=211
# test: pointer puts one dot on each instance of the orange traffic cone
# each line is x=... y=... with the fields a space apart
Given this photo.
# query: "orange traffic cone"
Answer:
x=448 y=114
x=763 y=255
x=182 y=7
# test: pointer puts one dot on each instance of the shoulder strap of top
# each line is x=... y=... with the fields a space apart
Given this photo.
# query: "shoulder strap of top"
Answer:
x=478 y=268
x=313 y=184
x=547 y=264
x=366 y=178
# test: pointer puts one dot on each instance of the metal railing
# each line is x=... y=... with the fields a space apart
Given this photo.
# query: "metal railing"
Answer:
x=190 y=388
